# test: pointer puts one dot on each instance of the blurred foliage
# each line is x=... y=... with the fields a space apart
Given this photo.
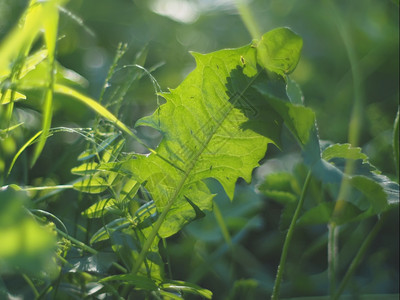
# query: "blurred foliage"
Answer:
x=164 y=31
x=25 y=245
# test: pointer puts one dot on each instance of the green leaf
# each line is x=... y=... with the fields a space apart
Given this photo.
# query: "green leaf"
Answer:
x=106 y=143
x=103 y=233
x=143 y=217
x=294 y=92
x=85 y=169
x=343 y=151
x=97 y=263
x=98 y=209
x=279 y=50
x=211 y=130
x=378 y=193
x=93 y=185
x=139 y=282
x=186 y=287
x=280 y=187
x=299 y=119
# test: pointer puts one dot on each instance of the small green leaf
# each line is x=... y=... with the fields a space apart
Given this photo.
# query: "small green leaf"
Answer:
x=85 y=169
x=97 y=263
x=373 y=191
x=105 y=144
x=139 y=282
x=187 y=287
x=170 y=296
x=280 y=187
x=100 y=208
x=102 y=233
x=378 y=193
x=93 y=185
x=343 y=151
x=279 y=50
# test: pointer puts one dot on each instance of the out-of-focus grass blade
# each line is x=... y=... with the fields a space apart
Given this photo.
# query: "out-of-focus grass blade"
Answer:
x=21 y=38
x=50 y=26
x=98 y=108
x=8 y=95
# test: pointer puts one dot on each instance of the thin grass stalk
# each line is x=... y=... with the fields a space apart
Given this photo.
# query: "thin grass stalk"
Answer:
x=288 y=239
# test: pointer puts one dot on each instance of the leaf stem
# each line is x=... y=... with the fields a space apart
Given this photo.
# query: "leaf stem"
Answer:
x=289 y=235
x=357 y=259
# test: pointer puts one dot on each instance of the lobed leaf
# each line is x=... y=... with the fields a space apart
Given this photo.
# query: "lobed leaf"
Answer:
x=211 y=130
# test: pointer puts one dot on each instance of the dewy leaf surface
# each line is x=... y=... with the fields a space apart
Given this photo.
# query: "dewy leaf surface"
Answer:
x=215 y=125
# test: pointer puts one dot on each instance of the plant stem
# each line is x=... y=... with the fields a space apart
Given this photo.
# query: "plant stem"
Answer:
x=151 y=237
x=289 y=235
x=30 y=283
x=357 y=259
x=332 y=256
